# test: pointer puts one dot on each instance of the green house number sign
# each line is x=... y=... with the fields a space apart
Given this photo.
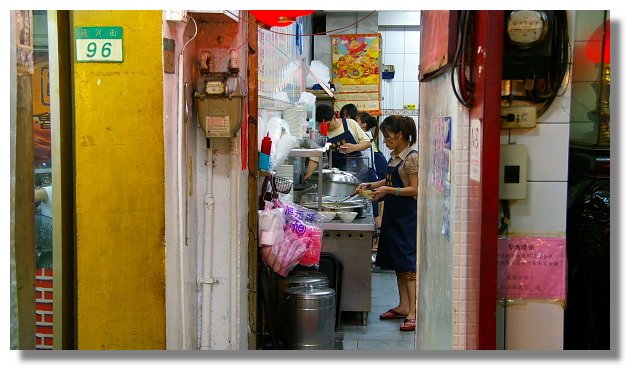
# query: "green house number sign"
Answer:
x=99 y=44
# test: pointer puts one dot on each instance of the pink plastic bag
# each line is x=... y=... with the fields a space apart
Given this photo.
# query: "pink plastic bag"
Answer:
x=282 y=257
x=307 y=226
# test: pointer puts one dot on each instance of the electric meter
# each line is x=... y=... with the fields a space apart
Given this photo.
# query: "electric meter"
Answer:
x=528 y=49
x=219 y=103
x=526 y=28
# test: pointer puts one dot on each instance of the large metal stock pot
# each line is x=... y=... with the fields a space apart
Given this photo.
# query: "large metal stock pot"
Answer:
x=335 y=183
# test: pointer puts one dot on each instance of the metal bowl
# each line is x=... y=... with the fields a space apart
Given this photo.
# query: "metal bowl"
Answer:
x=346 y=216
x=335 y=182
x=341 y=207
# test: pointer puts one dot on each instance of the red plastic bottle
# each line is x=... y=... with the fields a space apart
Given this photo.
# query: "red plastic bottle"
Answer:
x=265 y=147
x=324 y=128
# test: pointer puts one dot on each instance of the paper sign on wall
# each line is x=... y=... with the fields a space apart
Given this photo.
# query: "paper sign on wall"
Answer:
x=531 y=268
x=475 y=150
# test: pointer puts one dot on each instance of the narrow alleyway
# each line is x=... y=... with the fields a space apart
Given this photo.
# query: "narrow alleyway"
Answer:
x=377 y=334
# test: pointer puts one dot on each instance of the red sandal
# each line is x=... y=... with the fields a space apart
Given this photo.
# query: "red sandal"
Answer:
x=392 y=314
x=408 y=325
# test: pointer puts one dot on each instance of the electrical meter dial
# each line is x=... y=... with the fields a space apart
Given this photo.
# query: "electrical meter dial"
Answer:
x=527 y=28
x=214 y=87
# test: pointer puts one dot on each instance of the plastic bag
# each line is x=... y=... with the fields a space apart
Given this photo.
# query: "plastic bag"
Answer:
x=270 y=225
x=302 y=243
x=306 y=225
x=321 y=71
x=283 y=148
x=306 y=98
x=284 y=256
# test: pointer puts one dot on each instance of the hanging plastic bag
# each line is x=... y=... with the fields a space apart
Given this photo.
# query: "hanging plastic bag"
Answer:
x=270 y=225
x=306 y=224
x=306 y=98
x=320 y=72
x=284 y=256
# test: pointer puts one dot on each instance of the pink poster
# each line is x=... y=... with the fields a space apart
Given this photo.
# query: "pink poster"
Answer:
x=531 y=268
x=442 y=144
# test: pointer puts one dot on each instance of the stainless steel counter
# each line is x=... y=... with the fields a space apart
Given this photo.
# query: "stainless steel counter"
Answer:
x=367 y=223
x=351 y=243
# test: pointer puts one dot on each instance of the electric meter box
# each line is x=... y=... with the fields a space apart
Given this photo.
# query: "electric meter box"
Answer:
x=219 y=116
x=219 y=104
x=513 y=172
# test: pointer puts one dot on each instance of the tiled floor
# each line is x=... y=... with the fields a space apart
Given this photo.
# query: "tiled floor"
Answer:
x=377 y=334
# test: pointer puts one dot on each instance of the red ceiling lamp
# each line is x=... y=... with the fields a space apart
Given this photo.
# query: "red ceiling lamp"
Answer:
x=600 y=54
x=594 y=50
x=278 y=18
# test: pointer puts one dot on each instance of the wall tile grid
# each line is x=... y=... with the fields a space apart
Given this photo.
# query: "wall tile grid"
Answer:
x=459 y=222
x=400 y=48
x=447 y=276
x=543 y=212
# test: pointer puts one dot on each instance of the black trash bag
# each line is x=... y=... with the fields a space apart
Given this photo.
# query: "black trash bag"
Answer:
x=587 y=316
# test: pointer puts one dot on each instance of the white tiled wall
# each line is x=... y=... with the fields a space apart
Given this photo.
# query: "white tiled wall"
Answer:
x=538 y=325
x=444 y=265
x=400 y=47
x=547 y=149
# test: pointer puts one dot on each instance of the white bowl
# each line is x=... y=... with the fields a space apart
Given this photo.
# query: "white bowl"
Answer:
x=347 y=217
x=328 y=215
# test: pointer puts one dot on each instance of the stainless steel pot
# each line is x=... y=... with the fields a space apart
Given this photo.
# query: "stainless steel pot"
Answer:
x=313 y=279
x=309 y=316
x=335 y=183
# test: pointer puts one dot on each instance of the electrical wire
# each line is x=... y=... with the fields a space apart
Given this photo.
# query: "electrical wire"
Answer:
x=193 y=36
x=460 y=50
x=559 y=66
x=505 y=219
x=312 y=34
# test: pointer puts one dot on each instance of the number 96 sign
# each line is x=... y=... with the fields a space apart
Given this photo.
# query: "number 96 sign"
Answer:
x=99 y=44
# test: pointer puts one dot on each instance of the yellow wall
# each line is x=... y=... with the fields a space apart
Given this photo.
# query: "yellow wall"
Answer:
x=120 y=188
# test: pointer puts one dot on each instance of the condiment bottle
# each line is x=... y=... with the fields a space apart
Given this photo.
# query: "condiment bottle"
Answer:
x=324 y=128
x=265 y=146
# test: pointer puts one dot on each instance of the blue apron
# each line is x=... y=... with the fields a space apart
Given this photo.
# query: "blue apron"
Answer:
x=398 y=238
x=339 y=159
x=380 y=165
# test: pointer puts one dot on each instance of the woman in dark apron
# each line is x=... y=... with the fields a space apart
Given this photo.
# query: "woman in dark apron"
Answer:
x=397 y=243
x=348 y=143
x=339 y=158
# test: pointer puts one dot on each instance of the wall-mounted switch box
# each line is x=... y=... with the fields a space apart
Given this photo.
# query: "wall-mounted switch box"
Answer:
x=176 y=15
x=518 y=117
x=513 y=172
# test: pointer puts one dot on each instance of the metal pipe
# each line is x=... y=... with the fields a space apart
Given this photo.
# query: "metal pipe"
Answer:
x=234 y=248
x=206 y=314
x=180 y=203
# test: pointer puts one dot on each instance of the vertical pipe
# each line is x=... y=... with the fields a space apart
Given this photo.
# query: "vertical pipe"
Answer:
x=234 y=248
x=180 y=205
x=206 y=313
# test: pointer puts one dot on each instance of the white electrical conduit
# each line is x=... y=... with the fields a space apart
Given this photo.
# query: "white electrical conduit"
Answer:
x=181 y=204
x=206 y=329
x=234 y=250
